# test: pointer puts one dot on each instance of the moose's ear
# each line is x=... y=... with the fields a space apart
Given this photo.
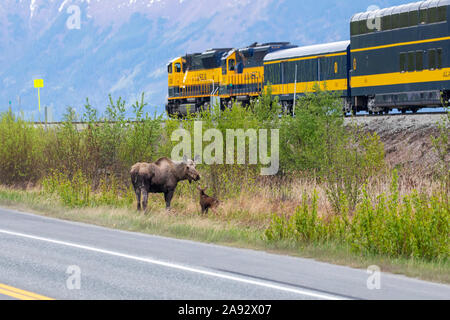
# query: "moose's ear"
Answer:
x=185 y=159
x=197 y=159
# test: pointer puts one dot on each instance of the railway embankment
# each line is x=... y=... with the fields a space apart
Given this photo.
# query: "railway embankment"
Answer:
x=407 y=138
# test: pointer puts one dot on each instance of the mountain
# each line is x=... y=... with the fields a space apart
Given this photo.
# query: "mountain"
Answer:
x=122 y=46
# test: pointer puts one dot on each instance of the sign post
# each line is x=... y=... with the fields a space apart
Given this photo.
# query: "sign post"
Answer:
x=39 y=83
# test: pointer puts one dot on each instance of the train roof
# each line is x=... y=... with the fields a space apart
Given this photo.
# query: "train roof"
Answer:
x=212 y=52
x=260 y=47
x=399 y=9
x=308 y=51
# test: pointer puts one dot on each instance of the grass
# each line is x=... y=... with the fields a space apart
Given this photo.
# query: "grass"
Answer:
x=83 y=175
x=212 y=229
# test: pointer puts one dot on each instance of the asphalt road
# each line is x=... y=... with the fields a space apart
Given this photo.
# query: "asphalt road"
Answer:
x=42 y=257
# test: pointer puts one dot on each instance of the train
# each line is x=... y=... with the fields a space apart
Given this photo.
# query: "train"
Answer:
x=396 y=58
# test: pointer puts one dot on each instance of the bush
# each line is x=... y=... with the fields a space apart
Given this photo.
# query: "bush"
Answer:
x=353 y=160
x=73 y=191
x=318 y=143
x=77 y=191
x=21 y=150
x=142 y=138
x=311 y=136
x=412 y=226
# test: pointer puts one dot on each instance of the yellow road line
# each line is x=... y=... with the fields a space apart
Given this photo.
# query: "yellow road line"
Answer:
x=20 y=294
x=15 y=295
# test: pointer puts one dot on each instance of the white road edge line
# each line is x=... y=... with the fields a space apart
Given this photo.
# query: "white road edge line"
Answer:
x=180 y=267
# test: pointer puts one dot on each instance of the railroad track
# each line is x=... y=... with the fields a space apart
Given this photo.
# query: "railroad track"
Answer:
x=366 y=115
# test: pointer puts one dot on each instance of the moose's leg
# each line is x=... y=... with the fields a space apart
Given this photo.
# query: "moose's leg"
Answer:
x=138 y=198
x=145 y=199
x=168 y=197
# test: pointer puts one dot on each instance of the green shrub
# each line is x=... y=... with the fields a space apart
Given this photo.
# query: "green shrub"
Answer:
x=353 y=160
x=142 y=138
x=317 y=142
x=412 y=226
x=77 y=191
x=310 y=138
x=21 y=150
x=73 y=191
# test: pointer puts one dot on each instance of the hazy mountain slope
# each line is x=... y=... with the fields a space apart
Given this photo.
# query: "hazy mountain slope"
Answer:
x=123 y=46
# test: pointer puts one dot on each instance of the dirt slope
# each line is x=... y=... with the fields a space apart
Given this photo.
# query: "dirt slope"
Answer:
x=407 y=138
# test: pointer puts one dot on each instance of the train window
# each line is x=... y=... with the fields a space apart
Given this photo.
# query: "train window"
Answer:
x=231 y=64
x=432 y=59
x=442 y=14
x=402 y=62
x=291 y=70
x=404 y=20
x=177 y=67
x=413 y=18
x=386 y=23
x=266 y=73
x=411 y=61
x=354 y=28
x=439 y=58
x=432 y=15
x=269 y=76
x=361 y=27
x=395 y=22
x=277 y=73
x=419 y=60
x=273 y=74
x=423 y=16
x=169 y=68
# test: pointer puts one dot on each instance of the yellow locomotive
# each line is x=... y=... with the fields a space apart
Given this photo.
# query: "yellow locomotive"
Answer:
x=197 y=80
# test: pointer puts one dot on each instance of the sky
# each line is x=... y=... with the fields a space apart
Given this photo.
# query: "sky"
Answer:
x=95 y=48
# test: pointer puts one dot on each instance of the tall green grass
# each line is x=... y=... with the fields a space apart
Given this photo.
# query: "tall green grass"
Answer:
x=411 y=226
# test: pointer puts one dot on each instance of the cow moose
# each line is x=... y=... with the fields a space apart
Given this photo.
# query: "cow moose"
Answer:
x=161 y=176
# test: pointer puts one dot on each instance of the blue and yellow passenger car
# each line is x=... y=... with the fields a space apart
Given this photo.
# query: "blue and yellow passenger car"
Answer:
x=400 y=57
x=295 y=71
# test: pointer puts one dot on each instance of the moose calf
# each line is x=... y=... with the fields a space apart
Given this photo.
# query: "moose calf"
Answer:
x=207 y=202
